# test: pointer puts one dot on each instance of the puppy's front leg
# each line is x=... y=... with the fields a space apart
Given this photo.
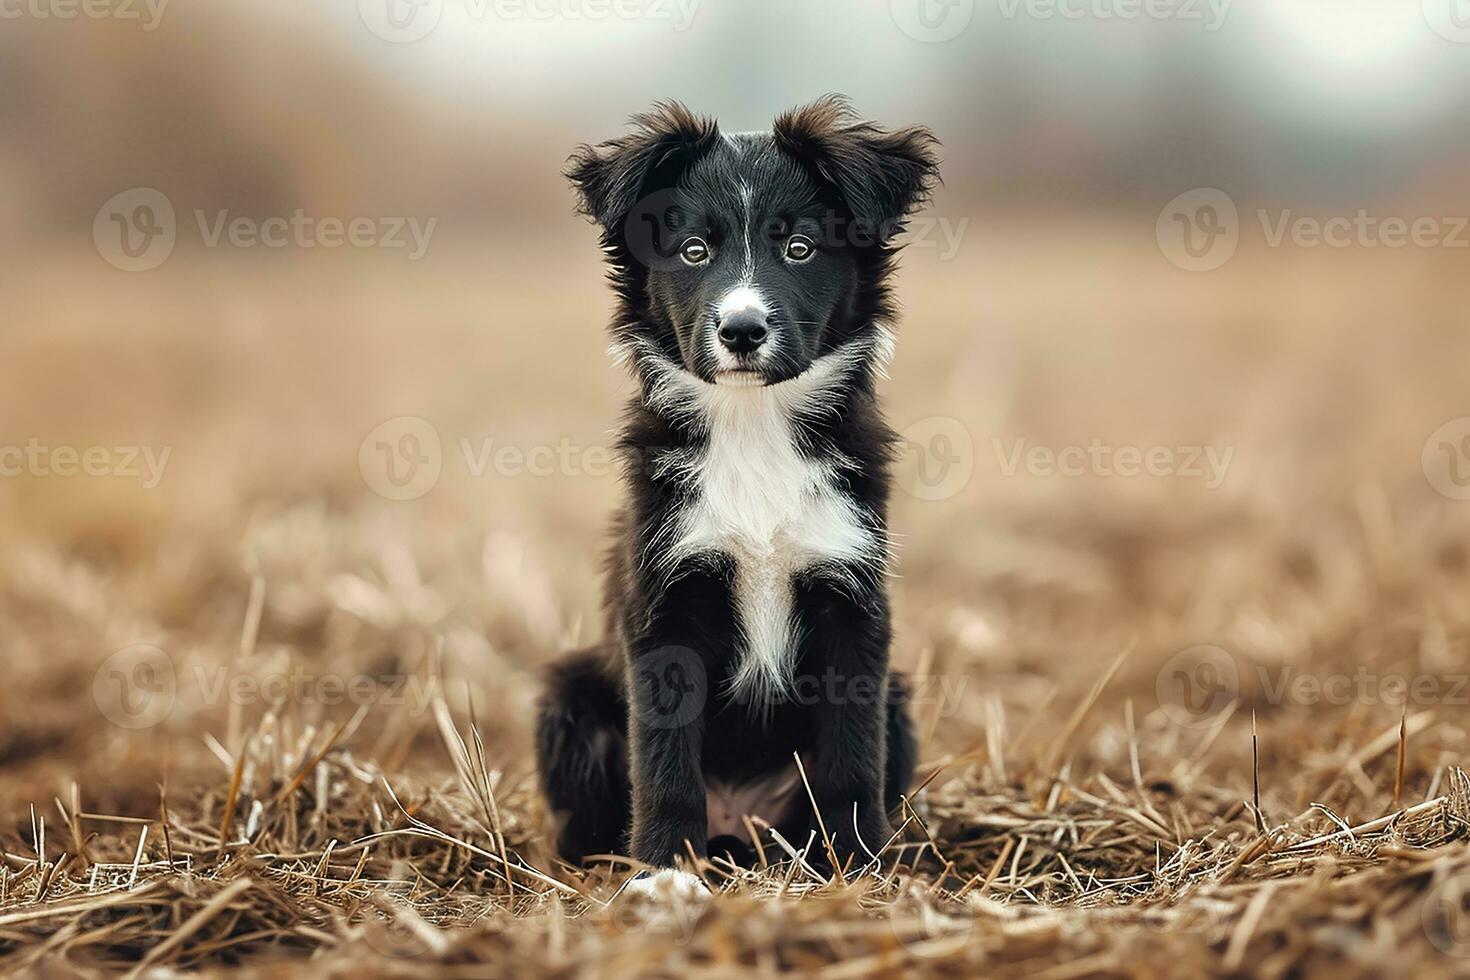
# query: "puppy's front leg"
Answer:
x=667 y=690
x=846 y=760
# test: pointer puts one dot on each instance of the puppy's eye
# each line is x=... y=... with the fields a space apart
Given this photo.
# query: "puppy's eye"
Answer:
x=694 y=251
x=799 y=248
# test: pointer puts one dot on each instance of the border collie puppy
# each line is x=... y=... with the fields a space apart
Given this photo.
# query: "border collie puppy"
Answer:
x=747 y=611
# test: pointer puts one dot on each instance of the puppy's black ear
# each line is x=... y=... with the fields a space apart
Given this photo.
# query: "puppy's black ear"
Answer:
x=610 y=177
x=882 y=176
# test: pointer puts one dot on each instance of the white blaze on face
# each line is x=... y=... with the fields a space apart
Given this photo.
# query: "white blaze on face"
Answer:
x=743 y=297
x=745 y=201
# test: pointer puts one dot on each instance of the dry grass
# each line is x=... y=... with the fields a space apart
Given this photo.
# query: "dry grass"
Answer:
x=1069 y=825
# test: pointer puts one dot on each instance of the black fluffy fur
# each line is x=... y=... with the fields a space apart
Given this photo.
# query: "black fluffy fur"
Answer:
x=630 y=732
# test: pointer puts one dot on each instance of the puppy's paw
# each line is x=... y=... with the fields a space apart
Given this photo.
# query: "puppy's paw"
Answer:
x=668 y=885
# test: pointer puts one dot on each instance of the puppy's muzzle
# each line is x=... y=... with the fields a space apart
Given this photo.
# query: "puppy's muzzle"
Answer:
x=742 y=332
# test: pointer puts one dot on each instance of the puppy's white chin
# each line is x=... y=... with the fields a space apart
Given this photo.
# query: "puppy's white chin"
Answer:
x=740 y=379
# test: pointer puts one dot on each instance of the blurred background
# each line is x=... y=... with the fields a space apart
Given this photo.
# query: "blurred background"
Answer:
x=399 y=440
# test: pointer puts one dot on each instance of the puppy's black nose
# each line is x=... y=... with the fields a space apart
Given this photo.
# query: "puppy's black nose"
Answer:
x=743 y=331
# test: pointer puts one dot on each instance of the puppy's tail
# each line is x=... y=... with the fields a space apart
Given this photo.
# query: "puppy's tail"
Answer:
x=582 y=755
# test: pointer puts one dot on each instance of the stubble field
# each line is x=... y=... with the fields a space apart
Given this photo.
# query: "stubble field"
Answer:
x=260 y=714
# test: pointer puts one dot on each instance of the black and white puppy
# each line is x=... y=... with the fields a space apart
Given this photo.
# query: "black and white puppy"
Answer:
x=747 y=612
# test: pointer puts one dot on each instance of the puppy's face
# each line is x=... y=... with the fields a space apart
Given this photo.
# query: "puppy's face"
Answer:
x=759 y=265
x=744 y=258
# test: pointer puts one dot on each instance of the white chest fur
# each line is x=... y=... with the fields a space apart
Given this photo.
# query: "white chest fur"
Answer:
x=773 y=510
